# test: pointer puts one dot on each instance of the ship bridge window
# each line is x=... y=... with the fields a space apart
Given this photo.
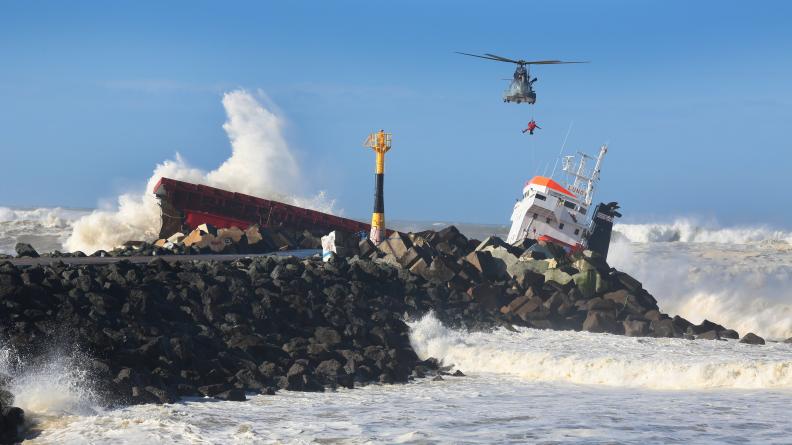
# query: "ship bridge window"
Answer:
x=541 y=196
x=561 y=226
x=569 y=205
x=577 y=231
x=582 y=210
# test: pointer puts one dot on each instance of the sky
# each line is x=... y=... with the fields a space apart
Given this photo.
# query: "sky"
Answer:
x=693 y=98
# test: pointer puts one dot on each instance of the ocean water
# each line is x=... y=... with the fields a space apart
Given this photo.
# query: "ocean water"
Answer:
x=529 y=386
x=46 y=229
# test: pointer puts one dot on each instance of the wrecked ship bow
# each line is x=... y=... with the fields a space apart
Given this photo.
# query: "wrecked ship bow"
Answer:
x=186 y=206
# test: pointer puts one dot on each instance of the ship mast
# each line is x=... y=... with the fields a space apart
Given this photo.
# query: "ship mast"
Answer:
x=582 y=184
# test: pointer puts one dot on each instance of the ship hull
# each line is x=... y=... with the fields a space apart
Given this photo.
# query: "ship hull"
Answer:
x=185 y=206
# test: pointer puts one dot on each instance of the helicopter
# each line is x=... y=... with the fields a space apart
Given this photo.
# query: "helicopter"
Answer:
x=520 y=89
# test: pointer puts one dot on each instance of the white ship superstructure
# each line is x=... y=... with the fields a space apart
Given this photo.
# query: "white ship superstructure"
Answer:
x=549 y=211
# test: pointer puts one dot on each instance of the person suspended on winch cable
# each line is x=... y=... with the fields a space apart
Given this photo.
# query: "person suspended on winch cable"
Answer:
x=531 y=127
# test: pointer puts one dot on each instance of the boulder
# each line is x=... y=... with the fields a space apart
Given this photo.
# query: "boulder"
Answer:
x=12 y=423
x=217 y=244
x=412 y=255
x=207 y=229
x=234 y=395
x=709 y=335
x=327 y=335
x=502 y=259
x=213 y=390
x=635 y=328
x=789 y=340
x=311 y=241
x=233 y=233
x=752 y=339
x=366 y=248
x=253 y=235
x=420 y=267
x=524 y=273
x=198 y=239
x=439 y=271
x=490 y=242
x=625 y=300
x=516 y=303
x=531 y=306
x=483 y=263
x=176 y=238
x=664 y=328
x=282 y=240
x=599 y=304
x=600 y=321
x=524 y=244
x=558 y=276
x=729 y=333
x=681 y=324
x=486 y=295
x=25 y=250
x=397 y=245
x=629 y=283
x=706 y=326
x=653 y=314
x=555 y=301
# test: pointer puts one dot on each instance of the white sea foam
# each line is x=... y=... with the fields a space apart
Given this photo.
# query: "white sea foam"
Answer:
x=690 y=231
x=261 y=164
x=519 y=388
x=44 y=228
x=743 y=287
x=604 y=359
x=55 y=383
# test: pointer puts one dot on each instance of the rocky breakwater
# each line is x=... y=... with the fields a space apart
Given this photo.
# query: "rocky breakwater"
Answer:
x=157 y=331
x=536 y=285
x=205 y=239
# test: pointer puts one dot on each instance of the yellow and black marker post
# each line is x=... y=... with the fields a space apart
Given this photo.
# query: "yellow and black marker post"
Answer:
x=380 y=142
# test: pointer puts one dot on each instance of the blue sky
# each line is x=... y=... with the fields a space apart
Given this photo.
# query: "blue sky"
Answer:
x=693 y=97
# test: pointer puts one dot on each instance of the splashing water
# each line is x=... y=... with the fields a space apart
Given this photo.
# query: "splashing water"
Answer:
x=56 y=383
x=604 y=359
x=261 y=164
x=44 y=228
x=746 y=287
x=689 y=231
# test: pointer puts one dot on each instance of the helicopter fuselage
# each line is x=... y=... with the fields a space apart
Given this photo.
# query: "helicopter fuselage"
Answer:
x=520 y=89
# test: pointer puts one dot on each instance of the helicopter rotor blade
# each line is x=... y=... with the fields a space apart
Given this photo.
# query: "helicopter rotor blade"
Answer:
x=546 y=62
x=497 y=59
x=503 y=59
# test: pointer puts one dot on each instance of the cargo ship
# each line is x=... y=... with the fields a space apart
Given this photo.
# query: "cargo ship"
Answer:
x=185 y=206
x=554 y=213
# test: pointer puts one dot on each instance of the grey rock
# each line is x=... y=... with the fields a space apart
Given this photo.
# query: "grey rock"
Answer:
x=752 y=339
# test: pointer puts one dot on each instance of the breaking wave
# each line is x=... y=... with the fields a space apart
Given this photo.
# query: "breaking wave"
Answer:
x=743 y=287
x=603 y=359
x=688 y=231
x=44 y=228
x=261 y=164
x=54 y=384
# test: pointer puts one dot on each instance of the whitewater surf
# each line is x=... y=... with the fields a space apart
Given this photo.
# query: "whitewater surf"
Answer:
x=525 y=386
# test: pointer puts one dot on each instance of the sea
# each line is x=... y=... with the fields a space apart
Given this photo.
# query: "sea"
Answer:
x=523 y=386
